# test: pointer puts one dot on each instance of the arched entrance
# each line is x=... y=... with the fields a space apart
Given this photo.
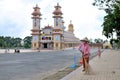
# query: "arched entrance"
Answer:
x=44 y=45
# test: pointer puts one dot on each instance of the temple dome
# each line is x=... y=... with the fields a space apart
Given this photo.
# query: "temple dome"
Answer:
x=36 y=11
x=57 y=10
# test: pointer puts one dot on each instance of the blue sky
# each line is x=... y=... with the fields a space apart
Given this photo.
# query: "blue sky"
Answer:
x=15 y=17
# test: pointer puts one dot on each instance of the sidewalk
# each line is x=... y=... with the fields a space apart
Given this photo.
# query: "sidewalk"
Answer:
x=105 y=68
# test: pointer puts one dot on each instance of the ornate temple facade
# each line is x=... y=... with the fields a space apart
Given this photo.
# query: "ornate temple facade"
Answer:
x=52 y=37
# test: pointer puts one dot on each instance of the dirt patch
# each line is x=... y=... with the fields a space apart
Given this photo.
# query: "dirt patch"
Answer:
x=62 y=73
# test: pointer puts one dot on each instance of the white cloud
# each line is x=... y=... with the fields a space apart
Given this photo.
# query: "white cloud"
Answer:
x=17 y=13
x=85 y=17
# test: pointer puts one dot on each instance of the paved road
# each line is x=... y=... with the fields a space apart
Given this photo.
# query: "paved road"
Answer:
x=28 y=66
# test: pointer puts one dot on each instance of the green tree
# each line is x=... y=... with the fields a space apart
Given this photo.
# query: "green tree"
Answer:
x=17 y=42
x=111 y=22
x=1 y=42
x=10 y=42
x=106 y=5
x=7 y=41
x=108 y=25
x=98 y=40
x=27 y=42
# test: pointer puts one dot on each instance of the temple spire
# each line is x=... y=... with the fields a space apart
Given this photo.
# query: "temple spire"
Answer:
x=71 y=27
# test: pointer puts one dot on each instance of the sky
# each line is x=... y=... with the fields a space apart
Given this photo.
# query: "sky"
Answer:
x=15 y=17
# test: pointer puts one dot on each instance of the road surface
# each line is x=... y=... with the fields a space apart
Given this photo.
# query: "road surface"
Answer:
x=35 y=65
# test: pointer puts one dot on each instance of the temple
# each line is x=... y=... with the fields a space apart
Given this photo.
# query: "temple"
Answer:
x=52 y=37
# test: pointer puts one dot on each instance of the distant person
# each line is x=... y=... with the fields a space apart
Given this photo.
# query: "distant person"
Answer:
x=8 y=50
x=99 y=52
x=5 y=50
x=84 y=48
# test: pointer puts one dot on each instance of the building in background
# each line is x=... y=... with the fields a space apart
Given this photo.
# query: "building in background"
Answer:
x=36 y=28
x=52 y=37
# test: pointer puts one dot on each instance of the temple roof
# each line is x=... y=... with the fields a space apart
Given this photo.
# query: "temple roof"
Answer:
x=48 y=27
x=69 y=37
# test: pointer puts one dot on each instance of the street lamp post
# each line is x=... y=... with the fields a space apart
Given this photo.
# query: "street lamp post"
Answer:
x=39 y=41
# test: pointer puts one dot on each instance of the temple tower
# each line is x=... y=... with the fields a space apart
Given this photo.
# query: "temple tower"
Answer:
x=36 y=17
x=70 y=27
x=58 y=28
